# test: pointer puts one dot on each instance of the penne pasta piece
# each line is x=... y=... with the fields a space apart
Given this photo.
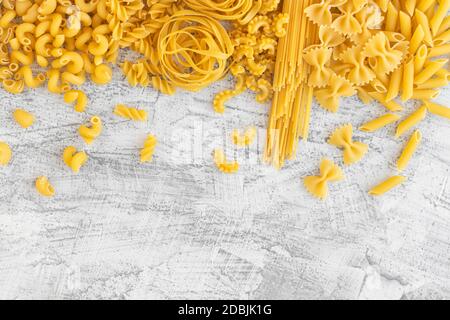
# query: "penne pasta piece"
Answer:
x=386 y=185
x=379 y=123
x=438 y=109
x=408 y=80
x=416 y=39
x=413 y=119
x=390 y=105
x=409 y=150
x=439 y=16
x=422 y=20
x=425 y=94
x=430 y=70
x=410 y=6
x=391 y=18
x=432 y=83
x=439 y=51
x=420 y=58
x=394 y=84
x=405 y=25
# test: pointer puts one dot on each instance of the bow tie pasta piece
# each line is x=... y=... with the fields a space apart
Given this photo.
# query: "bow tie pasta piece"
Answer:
x=222 y=164
x=318 y=185
x=359 y=73
x=384 y=59
x=73 y=159
x=347 y=23
x=320 y=13
x=148 y=149
x=329 y=97
x=130 y=113
x=329 y=37
x=5 y=154
x=342 y=138
x=386 y=185
x=23 y=118
x=44 y=187
x=318 y=58
x=89 y=134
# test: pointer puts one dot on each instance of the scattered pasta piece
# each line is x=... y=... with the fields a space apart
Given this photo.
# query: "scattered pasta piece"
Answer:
x=78 y=96
x=73 y=159
x=131 y=113
x=44 y=187
x=380 y=122
x=90 y=133
x=318 y=185
x=243 y=140
x=386 y=185
x=5 y=153
x=409 y=150
x=23 y=118
x=342 y=138
x=413 y=119
x=222 y=164
x=438 y=109
x=148 y=149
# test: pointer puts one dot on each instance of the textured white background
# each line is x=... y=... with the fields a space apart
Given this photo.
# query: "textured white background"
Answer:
x=178 y=228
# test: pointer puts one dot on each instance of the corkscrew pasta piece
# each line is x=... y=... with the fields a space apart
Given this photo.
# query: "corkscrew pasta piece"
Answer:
x=353 y=150
x=5 y=153
x=73 y=159
x=318 y=185
x=222 y=164
x=148 y=149
x=130 y=113
x=44 y=187
x=23 y=118
x=380 y=122
x=90 y=133
x=386 y=185
x=243 y=140
x=413 y=119
x=77 y=96
x=409 y=150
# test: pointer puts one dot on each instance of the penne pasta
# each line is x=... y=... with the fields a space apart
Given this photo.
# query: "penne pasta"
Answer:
x=413 y=119
x=409 y=150
x=408 y=80
x=386 y=185
x=438 y=109
x=380 y=122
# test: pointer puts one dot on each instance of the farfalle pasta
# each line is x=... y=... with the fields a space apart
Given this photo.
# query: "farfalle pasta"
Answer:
x=318 y=185
x=353 y=151
x=329 y=96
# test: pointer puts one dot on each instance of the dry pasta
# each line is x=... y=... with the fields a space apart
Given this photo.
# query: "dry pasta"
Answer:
x=353 y=150
x=386 y=185
x=222 y=164
x=73 y=159
x=243 y=140
x=5 y=153
x=380 y=122
x=23 y=118
x=148 y=148
x=409 y=149
x=90 y=133
x=318 y=185
x=131 y=113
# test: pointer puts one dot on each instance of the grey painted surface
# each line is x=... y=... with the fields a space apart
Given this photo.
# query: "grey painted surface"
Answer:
x=178 y=228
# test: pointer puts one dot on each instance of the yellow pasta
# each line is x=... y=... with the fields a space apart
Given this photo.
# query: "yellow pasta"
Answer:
x=386 y=185
x=131 y=113
x=23 y=118
x=390 y=105
x=413 y=119
x=5 y=153
x=318 y=185
x=243 y=140
x=438 y=109
x=90 y=133
x=73 y=159
x=353 y=150
x=148 y=149
x=430 y=70
x=44 y=187
x=409 y=150
x=380 y=122
x=222 y=164
x=439 y=16
x=408 y=80
x=78 y=96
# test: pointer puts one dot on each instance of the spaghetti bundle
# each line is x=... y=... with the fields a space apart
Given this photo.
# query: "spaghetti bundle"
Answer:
x=291 y=105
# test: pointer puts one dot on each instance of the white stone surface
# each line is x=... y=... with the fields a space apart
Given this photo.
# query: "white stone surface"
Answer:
x=178 y=228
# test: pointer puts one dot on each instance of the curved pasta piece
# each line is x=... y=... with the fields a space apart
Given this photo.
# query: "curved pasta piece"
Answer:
x=23 y=118
x=329 y=97
x=280 y=23
x=359 y=73
x=386 y=185
x=5 y=153
x=148 y=149
x=44 y=187
x=73 y=159
x=386 y=58
x=409 y=150
x=318 y=58
x=130 y=113
x=222 y=164
x=221 y=98
x=380 y=122
x=78 y=96
x=89 y=134
x=318 y=185
x=353 y=150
